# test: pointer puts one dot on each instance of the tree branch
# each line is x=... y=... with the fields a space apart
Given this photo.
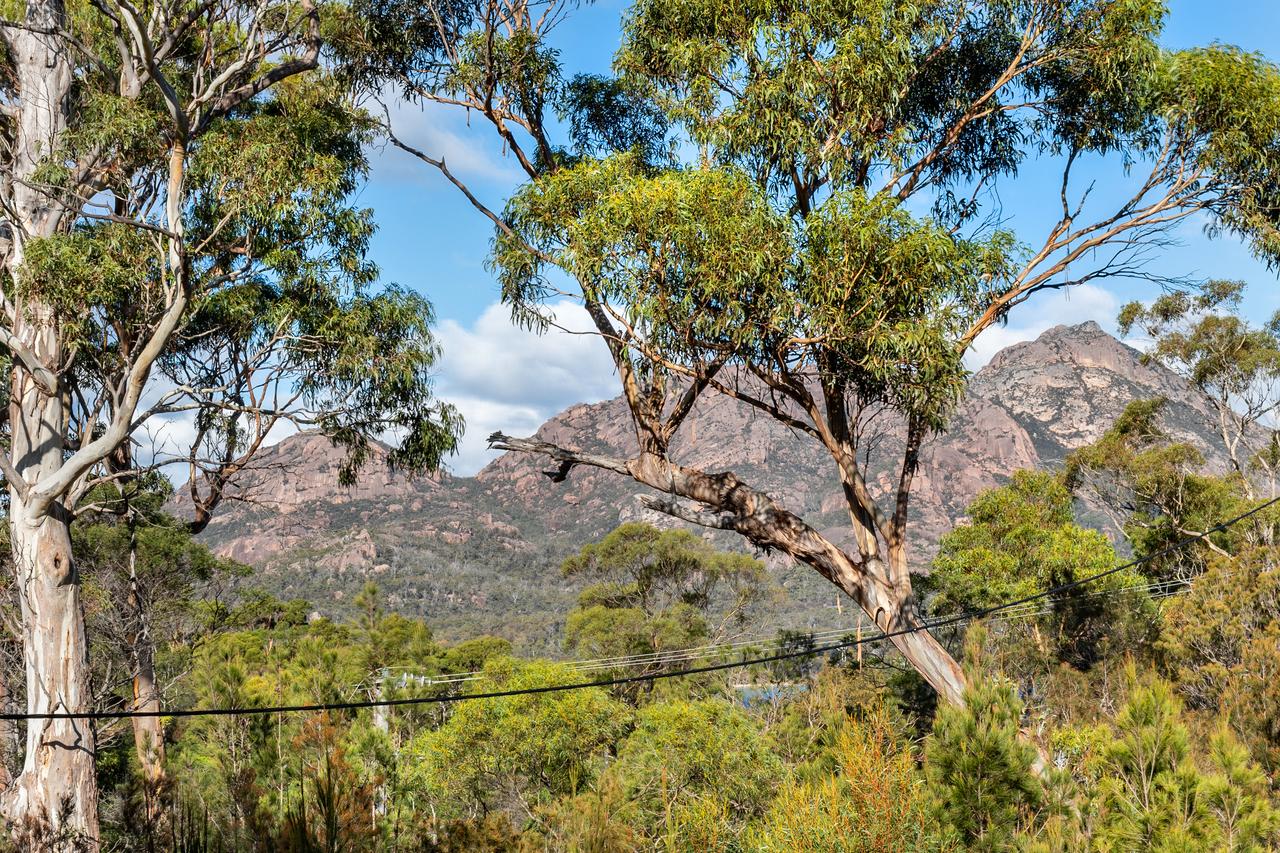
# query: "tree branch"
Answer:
x=684 y=512
x=46 y=379
x=500 y=441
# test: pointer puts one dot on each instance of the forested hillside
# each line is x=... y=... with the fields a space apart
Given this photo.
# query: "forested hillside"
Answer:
x=481 y=555
x=805 y=582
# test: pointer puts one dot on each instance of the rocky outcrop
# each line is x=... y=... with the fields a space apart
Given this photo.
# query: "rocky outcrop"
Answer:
x=483 y=551
x=1066 y=387
x=301 y=472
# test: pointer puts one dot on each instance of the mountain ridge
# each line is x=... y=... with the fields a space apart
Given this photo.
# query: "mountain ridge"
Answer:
x=481 y=553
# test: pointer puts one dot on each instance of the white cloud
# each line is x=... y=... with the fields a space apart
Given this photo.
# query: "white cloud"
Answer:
x=167 y=439
x=442 y=133
x=505 y=378
x=499 y=376
x=1028 y=321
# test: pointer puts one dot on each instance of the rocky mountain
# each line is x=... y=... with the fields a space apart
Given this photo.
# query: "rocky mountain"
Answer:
x=481 y=554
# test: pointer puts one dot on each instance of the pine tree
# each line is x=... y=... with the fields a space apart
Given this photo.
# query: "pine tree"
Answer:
x=1152 y=797
x=981 y=774
x=1238 y=797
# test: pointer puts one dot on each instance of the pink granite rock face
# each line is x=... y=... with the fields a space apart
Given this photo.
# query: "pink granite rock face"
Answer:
x=445 y=543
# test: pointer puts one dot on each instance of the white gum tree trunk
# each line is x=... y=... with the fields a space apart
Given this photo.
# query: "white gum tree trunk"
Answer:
x=57 y=787
x=55 y=795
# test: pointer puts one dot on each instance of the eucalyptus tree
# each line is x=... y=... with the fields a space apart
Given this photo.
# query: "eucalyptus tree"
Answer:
x=658 y=591
x=179 y=242
x=1158 y=489
x=1235 y=365
x=822 y=242
x=149 y=587
x=1021 y=539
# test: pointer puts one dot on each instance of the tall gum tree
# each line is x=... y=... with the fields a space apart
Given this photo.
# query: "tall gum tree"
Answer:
x=819 y=240
x=1158 y=489
x=178 y=242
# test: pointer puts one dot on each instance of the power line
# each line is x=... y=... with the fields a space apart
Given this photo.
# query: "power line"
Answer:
x=1155 y=555
x=926 y=625
x=646 y=658
x=1157 y=589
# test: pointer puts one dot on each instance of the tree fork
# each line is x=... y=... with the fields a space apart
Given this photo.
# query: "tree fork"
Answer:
x=735 y=506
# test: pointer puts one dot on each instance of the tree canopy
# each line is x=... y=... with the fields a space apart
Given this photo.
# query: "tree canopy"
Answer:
x=822 y=246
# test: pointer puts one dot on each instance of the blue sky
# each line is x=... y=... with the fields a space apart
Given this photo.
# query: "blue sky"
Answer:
x=431 y=240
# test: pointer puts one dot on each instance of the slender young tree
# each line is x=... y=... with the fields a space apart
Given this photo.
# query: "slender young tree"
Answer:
x=1235 y=365
x=178 y=242
x=146 y=579
x=826 y=254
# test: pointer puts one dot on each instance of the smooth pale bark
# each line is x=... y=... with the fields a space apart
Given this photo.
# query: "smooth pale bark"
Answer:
x=57 y=787
x=897 y=613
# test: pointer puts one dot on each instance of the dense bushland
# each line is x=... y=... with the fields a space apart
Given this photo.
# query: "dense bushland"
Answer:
x=1114 y=717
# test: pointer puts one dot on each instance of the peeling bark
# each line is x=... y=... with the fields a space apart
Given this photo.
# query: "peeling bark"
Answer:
x=732 y=505
x=56 y=792
x=55 y=795
x=57 y=789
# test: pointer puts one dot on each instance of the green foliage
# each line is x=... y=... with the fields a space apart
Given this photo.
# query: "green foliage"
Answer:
x=1228 y=99
x=892 y=295
x=1020 y=540
x=709 y=270
x=828 y=768
x=794 y=242
x=104 y=265
x=592 y=822
x=1219 y=353
x=653 y=570
x=1235 y=364
x=1239 y=797
x=860 y=71
x=518 y=751
x=1159 y=490
x=1219 y=646
x=250 y=770
x=608 y=117
x=1151 y=797
x=335 y=810
x=1206 y=630
x=1145 y=783
x=397 y=41
x=657 y=590
x=790 y=243
x=285 y=319
x=1162 y=490
x=875 y=799
x=1252 y=697
x=472 y=655
x=981 y=777
x=806 y=731
x=695 y=755
x=717 y=247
